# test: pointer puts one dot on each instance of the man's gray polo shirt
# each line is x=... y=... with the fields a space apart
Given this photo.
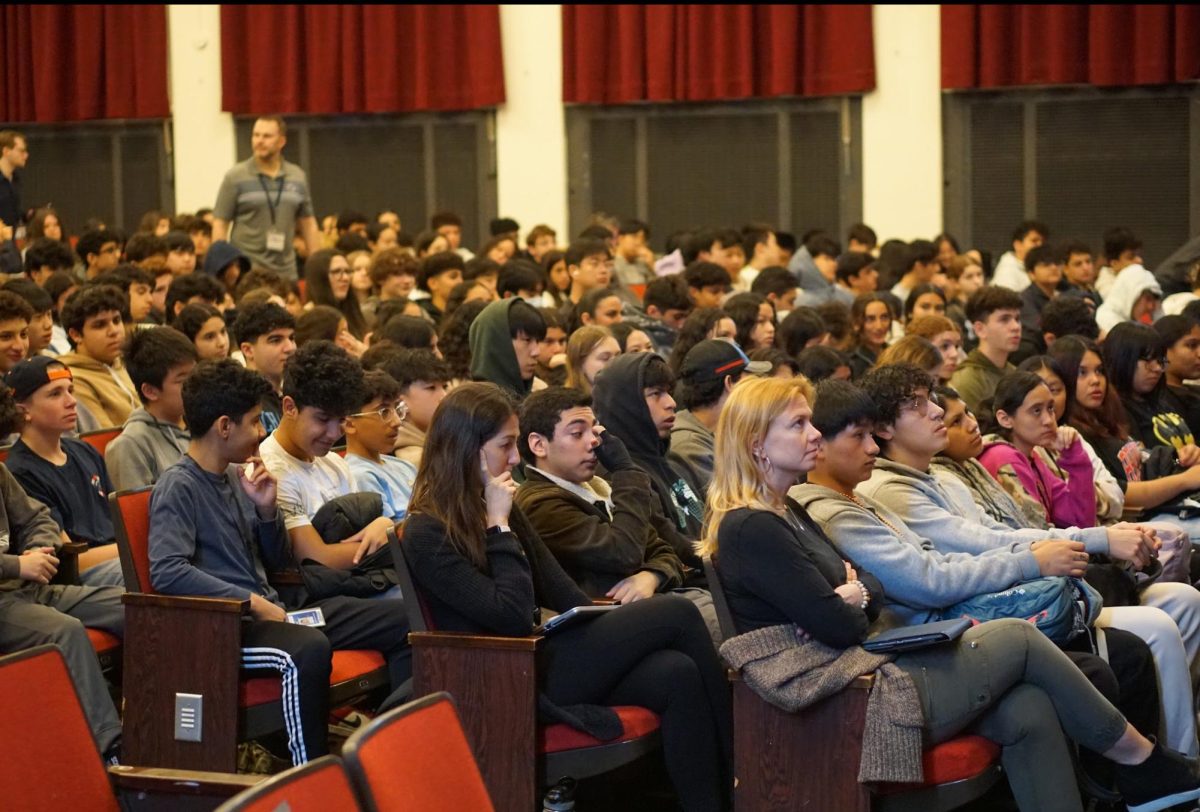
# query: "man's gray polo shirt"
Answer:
x=243 y=201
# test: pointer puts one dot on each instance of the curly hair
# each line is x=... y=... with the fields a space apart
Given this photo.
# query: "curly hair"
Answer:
x=455 y=342
x=217 y=389
x=325 y=377
x=891 y=386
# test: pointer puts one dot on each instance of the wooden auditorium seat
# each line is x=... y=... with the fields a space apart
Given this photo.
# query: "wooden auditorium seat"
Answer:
x=51 y=762
x=809 y=759
x=176 y=644
x=516 y=755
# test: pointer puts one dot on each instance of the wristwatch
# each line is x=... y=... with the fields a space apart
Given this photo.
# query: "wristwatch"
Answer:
x=497 y=529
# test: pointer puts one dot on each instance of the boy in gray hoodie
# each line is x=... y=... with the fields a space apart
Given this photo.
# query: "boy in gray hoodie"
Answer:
x=159 y=360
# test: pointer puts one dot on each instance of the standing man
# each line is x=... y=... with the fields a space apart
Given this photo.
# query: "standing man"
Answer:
x=13 y=156
x=265 y=199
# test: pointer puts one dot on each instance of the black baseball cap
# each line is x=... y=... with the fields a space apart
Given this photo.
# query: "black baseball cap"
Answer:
x=714 y=358
x=32 y=374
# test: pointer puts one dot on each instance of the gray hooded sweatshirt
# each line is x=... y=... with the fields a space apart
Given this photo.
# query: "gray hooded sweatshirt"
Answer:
x=918 y=579
x=143 y=450
x=945 y=513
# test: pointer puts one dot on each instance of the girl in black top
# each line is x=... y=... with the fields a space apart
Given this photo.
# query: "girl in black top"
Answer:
x=1136 y=361
x=1002 y=679
x=482 y=569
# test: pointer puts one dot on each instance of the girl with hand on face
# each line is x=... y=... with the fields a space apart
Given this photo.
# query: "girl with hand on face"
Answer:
x=1022 y=419
x=481 y=568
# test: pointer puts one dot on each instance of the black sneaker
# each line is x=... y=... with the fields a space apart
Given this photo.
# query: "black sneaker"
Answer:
x=1165 y=779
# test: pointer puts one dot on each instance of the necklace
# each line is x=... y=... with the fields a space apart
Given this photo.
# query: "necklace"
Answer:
x=853 y=497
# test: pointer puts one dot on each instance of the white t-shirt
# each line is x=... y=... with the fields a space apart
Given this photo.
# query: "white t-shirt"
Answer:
x=304 y=487
x=1010 y=273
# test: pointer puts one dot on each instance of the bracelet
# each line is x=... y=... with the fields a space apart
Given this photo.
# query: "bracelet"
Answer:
x=866 y=593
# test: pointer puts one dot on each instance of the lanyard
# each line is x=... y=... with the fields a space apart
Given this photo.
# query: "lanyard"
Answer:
x=278 y=197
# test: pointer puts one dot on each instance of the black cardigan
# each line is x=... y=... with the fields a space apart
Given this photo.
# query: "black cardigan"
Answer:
x=772 y=574
x=521 y=576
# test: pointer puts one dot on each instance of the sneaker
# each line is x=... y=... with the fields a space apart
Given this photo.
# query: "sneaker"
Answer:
x=1165 y=779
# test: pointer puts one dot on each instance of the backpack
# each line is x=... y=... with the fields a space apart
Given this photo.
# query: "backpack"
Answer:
x=1062 y=608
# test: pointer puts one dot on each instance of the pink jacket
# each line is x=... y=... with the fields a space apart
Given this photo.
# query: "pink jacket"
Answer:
x=1066 y=496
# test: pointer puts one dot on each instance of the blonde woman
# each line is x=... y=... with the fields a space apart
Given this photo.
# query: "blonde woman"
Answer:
x=589 y=350
x=1003 y=680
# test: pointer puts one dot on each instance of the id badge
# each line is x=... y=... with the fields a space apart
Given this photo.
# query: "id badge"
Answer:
x=276 y=241
x=307 y=617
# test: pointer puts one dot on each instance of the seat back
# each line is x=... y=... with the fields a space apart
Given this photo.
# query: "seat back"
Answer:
x=319 y=785
x=52 y=762
x=724 y=616
x=414 y=604
x=416 y=757
x=100 y=438
x=131 y=522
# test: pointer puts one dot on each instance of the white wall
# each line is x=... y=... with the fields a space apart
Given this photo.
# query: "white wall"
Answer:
x=204 y=135
x=902 y=125
x=531 y=135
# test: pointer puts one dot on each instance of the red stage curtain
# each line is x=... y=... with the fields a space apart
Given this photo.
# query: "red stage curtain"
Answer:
x=360 y=59
x=623 y=53
x=989 y=46
x=76 y=62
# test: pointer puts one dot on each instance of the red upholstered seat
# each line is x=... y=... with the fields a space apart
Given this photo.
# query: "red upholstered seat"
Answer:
x=103 y=641
x=347 y=665
x=636 y=721
x=954 y=760
x=50 y=761
x=318 y=786
x=416 y=757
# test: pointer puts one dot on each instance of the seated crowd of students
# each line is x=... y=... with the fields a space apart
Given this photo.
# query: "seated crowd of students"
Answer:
x=847 y=433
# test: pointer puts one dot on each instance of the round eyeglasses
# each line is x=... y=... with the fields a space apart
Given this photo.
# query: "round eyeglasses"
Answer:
x=399 y=411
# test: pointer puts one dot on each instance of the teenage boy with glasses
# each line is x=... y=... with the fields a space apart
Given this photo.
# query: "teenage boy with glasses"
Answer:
x=370 y=437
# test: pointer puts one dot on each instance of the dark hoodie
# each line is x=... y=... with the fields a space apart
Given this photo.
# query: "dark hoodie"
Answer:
x=492 y=356
x=621 y=408
x=221 y=255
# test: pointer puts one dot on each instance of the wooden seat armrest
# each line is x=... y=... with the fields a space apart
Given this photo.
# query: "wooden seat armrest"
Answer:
x=68 y=563
x=180 y=782
x=285 y=578
x=604 y=602
x=475 y=641
x=144 y=599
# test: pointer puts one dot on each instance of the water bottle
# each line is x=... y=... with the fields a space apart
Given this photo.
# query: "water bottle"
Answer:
x=561 y=797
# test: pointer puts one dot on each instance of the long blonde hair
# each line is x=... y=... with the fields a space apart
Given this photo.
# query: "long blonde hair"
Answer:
x=738 y=479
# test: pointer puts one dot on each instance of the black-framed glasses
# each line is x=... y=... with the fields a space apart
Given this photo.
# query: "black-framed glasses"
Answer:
x=1152 y=357
x=399 y=411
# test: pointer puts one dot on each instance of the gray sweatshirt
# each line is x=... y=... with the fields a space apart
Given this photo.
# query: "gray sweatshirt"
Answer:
x=144 y=449
x=918 y=580
x=943 y=512
x=692 y=446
